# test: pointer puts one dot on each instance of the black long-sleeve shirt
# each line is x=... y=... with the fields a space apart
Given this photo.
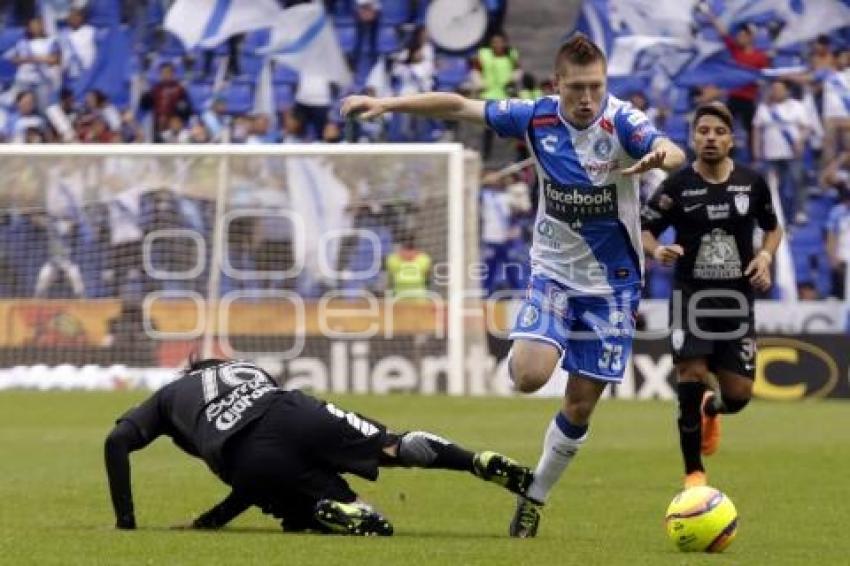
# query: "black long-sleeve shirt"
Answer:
x=199 y=411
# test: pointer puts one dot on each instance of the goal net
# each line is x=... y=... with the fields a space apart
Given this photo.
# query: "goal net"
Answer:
x=337 y=268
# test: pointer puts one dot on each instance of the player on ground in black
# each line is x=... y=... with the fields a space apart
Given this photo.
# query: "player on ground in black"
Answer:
x=714 y=206
x=282 y=451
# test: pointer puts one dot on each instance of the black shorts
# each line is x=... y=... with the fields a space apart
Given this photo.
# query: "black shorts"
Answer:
x=726 y=342
x=294 y=455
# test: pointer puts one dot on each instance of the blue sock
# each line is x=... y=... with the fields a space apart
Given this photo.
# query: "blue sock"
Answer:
x=569 y=429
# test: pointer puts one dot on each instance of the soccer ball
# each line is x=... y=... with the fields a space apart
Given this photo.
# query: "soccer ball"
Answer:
x=701 y=519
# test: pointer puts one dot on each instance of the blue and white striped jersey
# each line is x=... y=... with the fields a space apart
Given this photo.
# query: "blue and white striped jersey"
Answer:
x=587 y=231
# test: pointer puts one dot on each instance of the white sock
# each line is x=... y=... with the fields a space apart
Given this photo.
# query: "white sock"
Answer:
x=558 y=451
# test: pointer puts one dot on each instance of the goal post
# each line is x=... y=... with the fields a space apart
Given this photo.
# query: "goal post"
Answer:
x=117 y=262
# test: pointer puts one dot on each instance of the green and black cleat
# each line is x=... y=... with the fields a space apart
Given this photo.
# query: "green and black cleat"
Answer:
x=526 y=518
x=351 y=519
x=494 y=467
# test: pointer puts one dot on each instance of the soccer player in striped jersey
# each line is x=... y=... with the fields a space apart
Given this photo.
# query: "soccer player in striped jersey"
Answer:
x=586 y=256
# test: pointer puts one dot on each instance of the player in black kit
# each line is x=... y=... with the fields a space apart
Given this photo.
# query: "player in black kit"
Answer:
x=714 y=206
x=283 y=451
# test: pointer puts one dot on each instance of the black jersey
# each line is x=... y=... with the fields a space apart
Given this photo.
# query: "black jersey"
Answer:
x=714 y=224
x=202 y=409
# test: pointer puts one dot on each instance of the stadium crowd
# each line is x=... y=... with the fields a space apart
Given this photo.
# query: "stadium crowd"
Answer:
x=789 y=125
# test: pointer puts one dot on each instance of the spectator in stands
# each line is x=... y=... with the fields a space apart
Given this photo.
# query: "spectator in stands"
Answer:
x=496 y=69
x=233 y=49
x=504 y=245
x=130 y=131
x=128 y=338
x=99 y=132
x=241 y=129
x=37 y=58
x=837 y=174
x=215 y=119
x=496 y=12
x=409 y=269
x=175 y=131
x=124 y=266
x=366 y=45
x=742 y=100
x=529 y=89
x=78 y=46
x=23 y=118
x=313 y=99
x=332 y=133
x=835 y=91
x=261 y=130
x=820 y=54
x=198 y=132
x=781 y=128
x=293 y=127
x=97 y=104
x=413 y=74
x=167 y=98
x=806 y=291
x=60 y=233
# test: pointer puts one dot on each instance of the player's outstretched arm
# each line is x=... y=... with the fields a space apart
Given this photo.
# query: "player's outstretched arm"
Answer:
x=123 y=439
x=228 y=509
x=443 y=105
x=663 y=155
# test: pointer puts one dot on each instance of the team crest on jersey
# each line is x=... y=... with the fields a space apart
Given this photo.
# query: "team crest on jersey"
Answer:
x=529 y=316
x=742 y=203
x=602 y=148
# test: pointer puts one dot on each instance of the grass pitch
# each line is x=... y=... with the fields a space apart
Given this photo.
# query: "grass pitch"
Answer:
x=784 y=465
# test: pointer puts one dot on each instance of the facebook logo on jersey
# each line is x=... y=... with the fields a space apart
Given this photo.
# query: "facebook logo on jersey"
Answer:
x=569 y=204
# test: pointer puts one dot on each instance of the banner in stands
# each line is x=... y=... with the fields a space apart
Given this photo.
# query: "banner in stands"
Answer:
x=789 y=367
x=803 y=350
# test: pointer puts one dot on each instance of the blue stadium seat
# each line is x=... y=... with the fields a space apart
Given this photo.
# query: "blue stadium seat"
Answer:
x=347 y=37
x=239 y=98
x=284 y=96
x=172 y=46
x=9 y=37
x=808 y=251
x=199 y=94
x=284 y=74
x=344 y=12
x=103 y=13
x=388 y=40
x=255 y=40
x=250 y=66
x=421 y=12
x=451 y=71
x=677 y=128
x=818 y=207
x=395 y=12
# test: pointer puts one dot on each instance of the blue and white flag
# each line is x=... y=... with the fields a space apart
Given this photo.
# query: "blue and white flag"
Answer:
x=207 y=23
x=648 y=39
x=806 y=19
x=304 y=39
x=109 y=73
